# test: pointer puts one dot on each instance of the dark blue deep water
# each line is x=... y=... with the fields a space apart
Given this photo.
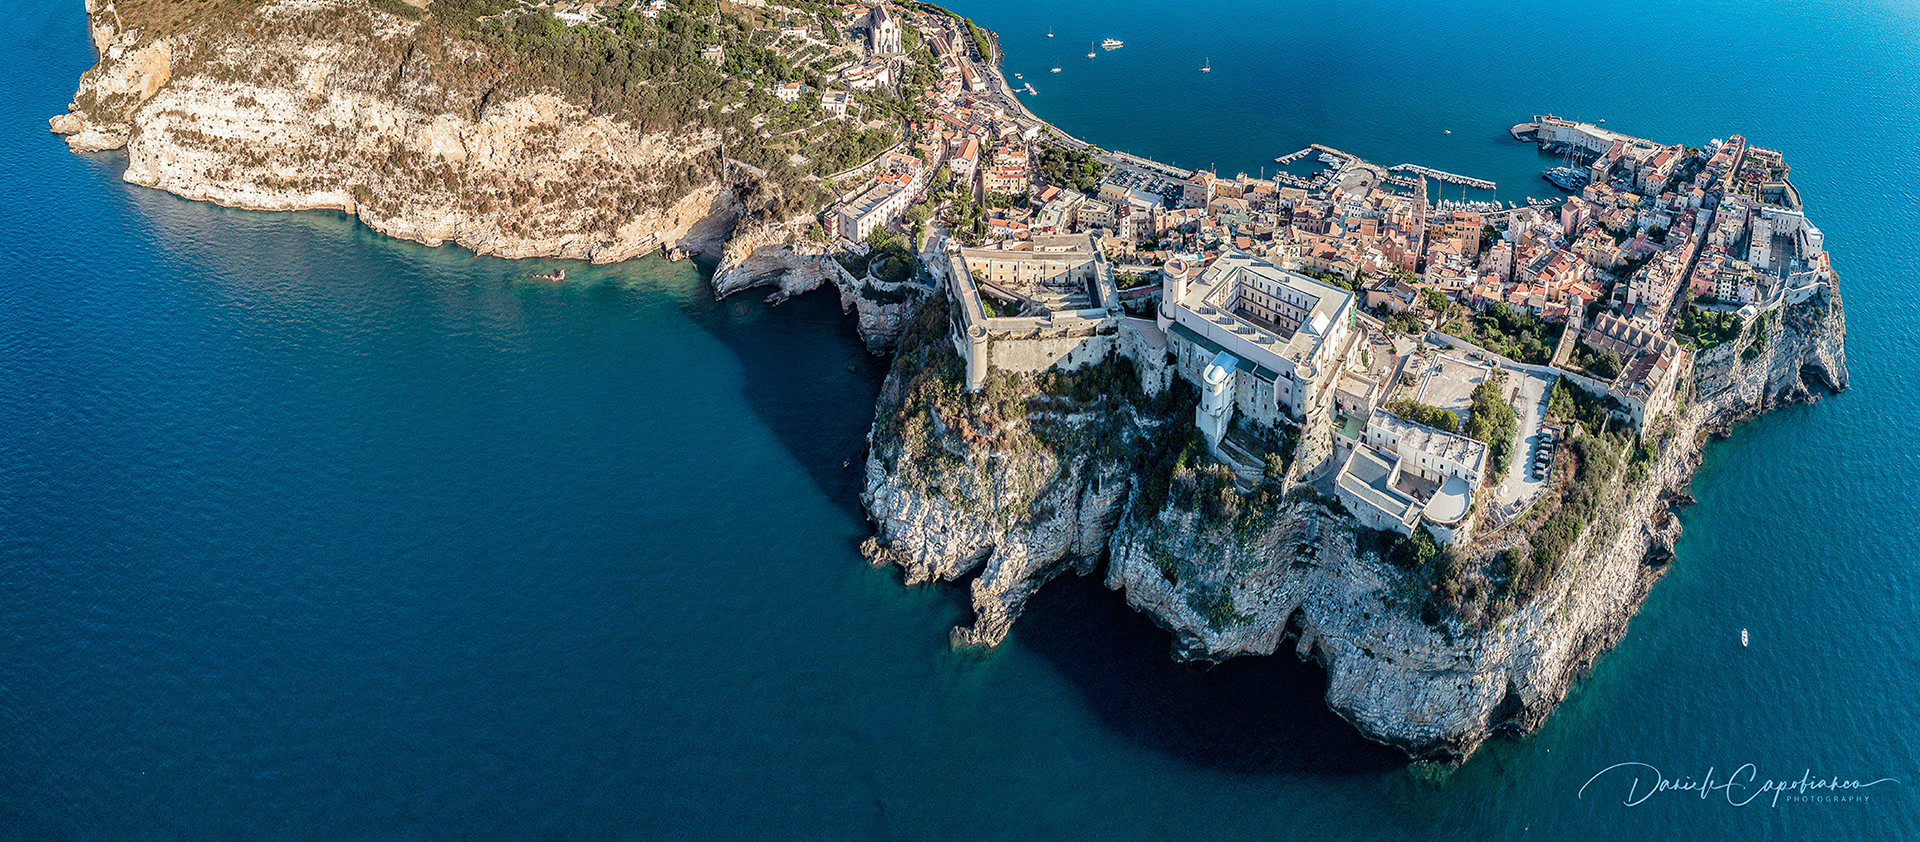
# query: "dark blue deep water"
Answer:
x=310 y=534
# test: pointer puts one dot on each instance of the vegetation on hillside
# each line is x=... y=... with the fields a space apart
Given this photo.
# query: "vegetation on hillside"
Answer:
x=1070 y=169
x=890 y=260
x=1514 y=334
x=1491 y=419
x=1705 y=329
x=1602 y=364
x=653 y=73
x=1404 y=323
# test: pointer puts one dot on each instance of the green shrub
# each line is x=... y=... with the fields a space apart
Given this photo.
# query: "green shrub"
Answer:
x=1491 y=419
x=1420 y=413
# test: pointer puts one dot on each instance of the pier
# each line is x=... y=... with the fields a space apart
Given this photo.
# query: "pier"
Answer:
x=1288 y=159
x=1450 y=178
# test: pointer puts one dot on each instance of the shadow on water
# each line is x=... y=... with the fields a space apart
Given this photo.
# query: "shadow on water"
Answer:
x=1250 y=715
x=809 y=378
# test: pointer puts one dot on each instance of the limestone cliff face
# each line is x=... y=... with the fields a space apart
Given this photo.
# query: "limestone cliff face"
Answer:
x=774 y=254
x=300 y=104
x=1016 y=516
x=1224 y=587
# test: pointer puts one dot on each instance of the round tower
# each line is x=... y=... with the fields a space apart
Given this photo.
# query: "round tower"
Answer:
x=1173 y=287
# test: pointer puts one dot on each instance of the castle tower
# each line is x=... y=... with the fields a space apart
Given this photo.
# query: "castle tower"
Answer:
x=1216 y=398
x=1173 y=287
x=977 y=361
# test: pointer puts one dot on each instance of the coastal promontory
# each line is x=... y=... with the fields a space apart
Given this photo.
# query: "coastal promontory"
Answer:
x=1436 y=446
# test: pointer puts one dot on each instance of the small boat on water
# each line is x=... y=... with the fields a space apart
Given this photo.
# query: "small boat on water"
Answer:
x=1112 y=44
x=1030 y=90
x=1056 y=66
x=1207 y=67
x=1449 y=131
x=1018 y=76
x=1089 y=49
x=556 y=276
x=1049 y=32
x=1743 y=637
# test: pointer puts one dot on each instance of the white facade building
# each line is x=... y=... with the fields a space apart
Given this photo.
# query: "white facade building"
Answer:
x=1285 y=331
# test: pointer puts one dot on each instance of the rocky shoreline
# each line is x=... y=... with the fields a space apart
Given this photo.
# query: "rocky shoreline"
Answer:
x=334 y=105
x=329 y=104
x=982 y=503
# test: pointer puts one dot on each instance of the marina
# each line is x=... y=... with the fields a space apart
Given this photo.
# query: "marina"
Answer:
x=1450 y=178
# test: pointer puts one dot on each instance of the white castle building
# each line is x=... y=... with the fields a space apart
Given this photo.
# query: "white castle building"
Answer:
x=1254 y=338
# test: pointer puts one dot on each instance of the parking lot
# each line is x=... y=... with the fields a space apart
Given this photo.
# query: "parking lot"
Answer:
x=1521 y=484
x=1165 y=187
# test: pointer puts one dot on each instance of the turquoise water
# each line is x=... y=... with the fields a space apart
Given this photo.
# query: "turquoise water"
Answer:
x=308 y=533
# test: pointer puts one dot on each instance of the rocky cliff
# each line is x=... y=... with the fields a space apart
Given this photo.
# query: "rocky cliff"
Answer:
x=299 y=104
x=962 y=486
x=335 y=104
x=775 y=254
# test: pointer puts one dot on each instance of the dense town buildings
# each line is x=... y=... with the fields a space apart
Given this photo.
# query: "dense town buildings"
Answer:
x=1272 y=290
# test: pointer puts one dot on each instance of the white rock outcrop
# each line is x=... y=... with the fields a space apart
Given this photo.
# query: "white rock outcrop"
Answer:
x=305 y=104
x=1435 y=687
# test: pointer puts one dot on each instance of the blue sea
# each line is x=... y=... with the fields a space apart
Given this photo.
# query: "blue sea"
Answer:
x=306 y=533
